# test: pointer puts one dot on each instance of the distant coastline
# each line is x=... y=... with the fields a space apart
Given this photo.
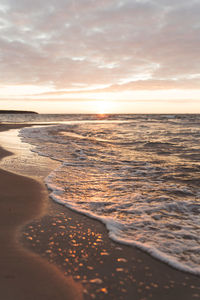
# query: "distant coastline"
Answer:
x=17 y=112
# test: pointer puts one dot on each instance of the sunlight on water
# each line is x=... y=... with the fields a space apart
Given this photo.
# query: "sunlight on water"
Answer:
x=137 y=174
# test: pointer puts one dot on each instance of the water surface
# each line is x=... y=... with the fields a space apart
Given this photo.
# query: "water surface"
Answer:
x=139 y=174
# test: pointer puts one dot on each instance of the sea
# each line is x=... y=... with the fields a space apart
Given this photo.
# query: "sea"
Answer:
x=138 y=174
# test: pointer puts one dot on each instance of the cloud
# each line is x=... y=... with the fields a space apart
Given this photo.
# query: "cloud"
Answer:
x=84 y=43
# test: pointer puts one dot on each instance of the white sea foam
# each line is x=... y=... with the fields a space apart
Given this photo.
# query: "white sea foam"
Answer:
x=145 y=198
x=114 y=228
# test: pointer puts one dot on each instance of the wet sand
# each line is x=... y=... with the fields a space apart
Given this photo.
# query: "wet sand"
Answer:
x=50 y=252
x=23 y=274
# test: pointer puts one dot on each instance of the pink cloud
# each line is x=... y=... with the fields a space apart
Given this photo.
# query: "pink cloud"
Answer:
x=114 y=40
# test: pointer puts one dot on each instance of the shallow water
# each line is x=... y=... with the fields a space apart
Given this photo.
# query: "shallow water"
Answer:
x=139 y=174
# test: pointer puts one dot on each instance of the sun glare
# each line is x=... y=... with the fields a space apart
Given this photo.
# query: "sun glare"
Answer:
x=103 y=107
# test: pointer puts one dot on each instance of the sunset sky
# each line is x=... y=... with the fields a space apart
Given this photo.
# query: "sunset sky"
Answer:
x=100 y=56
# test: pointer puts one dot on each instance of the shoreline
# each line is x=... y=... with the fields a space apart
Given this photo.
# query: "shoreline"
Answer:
x=82 y=250
x=23 y=274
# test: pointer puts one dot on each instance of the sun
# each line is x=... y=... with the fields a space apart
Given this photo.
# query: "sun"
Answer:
x=103 y=107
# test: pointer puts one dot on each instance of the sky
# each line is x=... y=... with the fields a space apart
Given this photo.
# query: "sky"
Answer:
x=100 y=56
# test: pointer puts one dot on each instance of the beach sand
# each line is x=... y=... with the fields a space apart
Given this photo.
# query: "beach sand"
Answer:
x=24 y=275
x=50 y=252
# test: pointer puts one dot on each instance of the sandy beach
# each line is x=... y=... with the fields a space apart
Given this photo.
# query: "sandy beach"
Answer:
x=50 y=252
x=23 y=275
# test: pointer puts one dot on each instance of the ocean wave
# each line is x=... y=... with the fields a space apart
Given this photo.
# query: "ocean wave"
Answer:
x=145 y=198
